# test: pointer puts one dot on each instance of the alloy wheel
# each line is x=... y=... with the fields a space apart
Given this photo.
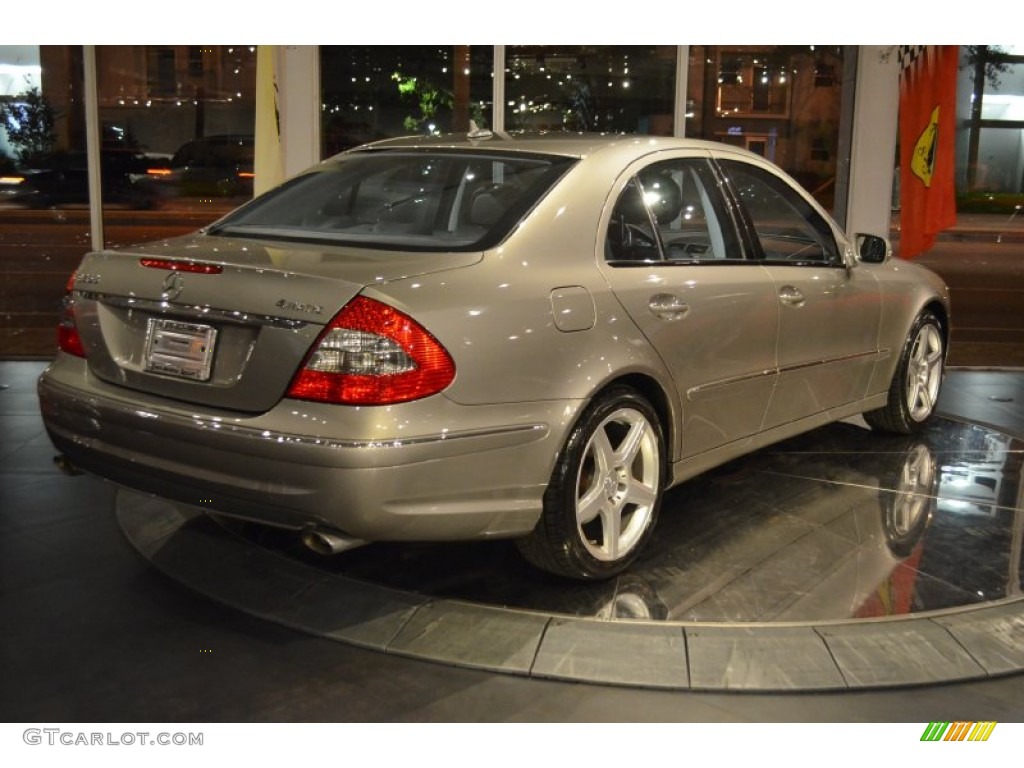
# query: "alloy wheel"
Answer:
x=617 y=484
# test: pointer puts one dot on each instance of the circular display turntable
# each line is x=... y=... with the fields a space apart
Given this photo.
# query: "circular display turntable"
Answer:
x=839 y=559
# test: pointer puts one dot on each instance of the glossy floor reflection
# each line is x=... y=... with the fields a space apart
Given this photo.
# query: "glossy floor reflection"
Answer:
x=301 y=643
x=837 y=524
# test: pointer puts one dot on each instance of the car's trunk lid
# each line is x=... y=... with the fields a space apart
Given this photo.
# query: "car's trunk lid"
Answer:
x=223 y=322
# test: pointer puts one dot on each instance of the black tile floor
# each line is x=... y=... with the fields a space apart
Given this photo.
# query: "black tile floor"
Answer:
x=92 y=632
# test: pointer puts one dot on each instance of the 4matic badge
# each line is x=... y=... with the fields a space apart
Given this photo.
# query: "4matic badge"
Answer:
x=299 y=306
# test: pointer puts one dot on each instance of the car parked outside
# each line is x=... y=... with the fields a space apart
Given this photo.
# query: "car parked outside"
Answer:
x=212 y=166
x=126 y=179
x=527 y=337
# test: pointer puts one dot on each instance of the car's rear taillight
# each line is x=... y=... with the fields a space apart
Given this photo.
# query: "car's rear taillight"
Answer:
x=68 y=339
x=372 y=354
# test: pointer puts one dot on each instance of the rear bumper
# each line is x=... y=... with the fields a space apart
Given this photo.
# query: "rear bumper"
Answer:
x=427 y=470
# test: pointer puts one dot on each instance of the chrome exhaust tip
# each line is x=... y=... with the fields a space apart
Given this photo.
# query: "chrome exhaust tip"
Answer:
x=329 y=543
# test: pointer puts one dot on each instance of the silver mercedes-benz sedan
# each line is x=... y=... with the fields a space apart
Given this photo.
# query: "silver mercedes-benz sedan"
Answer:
x=487 y=336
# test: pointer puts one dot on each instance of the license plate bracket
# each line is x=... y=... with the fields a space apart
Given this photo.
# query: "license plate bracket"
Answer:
x=176 y=348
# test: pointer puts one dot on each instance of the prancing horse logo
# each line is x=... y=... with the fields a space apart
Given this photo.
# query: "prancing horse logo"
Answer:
x=174 y=284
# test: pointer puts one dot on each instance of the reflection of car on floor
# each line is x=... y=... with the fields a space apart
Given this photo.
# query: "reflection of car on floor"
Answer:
x=448 y=338
x=126 y=179
x=833 y=540
x=213 y=166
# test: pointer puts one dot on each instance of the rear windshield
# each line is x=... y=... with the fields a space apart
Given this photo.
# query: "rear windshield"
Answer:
x=403 y=200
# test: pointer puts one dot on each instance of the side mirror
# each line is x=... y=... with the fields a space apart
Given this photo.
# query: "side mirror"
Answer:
x=872 y=249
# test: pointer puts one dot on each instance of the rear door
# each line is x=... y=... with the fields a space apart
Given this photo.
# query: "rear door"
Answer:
x=674 y=260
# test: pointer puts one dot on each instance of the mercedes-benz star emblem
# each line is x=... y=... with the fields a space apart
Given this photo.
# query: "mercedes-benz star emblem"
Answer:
x=174 y=284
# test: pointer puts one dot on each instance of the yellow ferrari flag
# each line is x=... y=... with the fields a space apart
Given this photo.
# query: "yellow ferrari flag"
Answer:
x=927 y=130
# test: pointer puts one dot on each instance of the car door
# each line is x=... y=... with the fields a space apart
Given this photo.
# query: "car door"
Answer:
x=674 y=260
x=829 y=314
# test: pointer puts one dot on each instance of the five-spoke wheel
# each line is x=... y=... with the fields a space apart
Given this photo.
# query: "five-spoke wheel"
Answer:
x=924 y=372
x=909 y=500
x=617 y=484
x=604 y=494
x=914 y=391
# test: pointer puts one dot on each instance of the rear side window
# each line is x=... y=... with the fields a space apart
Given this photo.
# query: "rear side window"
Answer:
x=671 y=211
x=788 y=229
x=408 y=200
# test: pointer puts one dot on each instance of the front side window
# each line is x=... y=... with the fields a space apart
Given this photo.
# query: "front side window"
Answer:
x=787 y=228
x=671 y=211
x=409 y=200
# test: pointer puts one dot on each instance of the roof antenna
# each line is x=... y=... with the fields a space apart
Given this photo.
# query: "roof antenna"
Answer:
x=476 y=132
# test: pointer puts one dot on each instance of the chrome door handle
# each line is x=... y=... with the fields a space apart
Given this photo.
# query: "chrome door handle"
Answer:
x=668 y=306
x=791 y=295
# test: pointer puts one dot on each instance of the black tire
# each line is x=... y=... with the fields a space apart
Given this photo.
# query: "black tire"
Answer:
x=915 y=386
x=605 y=492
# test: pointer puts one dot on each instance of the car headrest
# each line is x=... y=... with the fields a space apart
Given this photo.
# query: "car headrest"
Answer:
x=488 y=206
x=663 y=197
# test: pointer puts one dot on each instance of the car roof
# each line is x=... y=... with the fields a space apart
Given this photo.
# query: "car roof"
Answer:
x=576 y=145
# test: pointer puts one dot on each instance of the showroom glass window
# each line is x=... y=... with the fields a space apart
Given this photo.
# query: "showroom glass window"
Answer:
x=371 y=92
x=671 y=212
x=782 y=102
x=788 y=228
x=44 y=217
x=627 y=89
x=990 y=124
x=177 y=132
x=176 y=135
